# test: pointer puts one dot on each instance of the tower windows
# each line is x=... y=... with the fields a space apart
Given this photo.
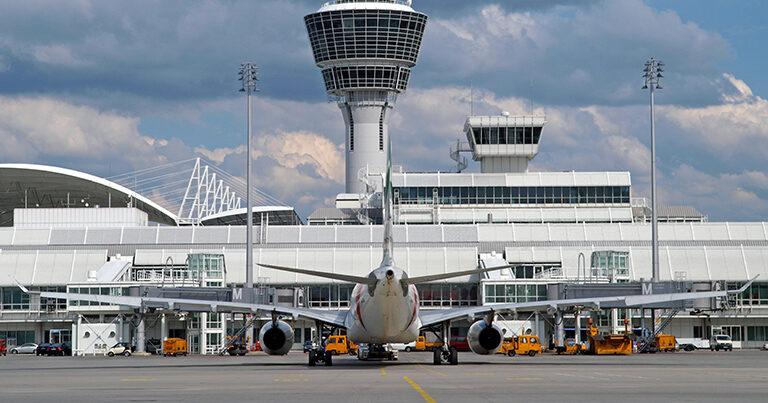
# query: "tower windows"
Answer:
x=351 y=129
x=381 y=128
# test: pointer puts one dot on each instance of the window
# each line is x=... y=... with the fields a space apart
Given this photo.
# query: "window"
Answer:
x=214 y=321
x=446 y=295
x=550 y=195
x=513 y=293
x=757 y=333
x=14 y=299
x=330 y=295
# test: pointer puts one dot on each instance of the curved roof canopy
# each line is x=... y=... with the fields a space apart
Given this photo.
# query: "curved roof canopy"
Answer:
x=30 y=185
x=276 y=215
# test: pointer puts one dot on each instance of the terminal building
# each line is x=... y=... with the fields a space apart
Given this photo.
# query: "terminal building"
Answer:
x=563 y=232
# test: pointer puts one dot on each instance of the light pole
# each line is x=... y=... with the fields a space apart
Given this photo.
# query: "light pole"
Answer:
x=652 y=75
x=248 y=77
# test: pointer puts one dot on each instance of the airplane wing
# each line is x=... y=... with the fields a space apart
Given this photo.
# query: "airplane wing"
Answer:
x=199 y=305
x=429 y=318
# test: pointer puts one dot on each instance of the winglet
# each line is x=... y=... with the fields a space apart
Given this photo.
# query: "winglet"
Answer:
x=744 y=288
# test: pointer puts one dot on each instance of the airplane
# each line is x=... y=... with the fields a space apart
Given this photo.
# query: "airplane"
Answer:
x=385 y=306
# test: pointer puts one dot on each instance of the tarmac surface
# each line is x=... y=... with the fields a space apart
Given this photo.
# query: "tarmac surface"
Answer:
x=700 y=376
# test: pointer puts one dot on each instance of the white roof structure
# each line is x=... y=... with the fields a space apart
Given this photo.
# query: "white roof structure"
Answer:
x=31 y=185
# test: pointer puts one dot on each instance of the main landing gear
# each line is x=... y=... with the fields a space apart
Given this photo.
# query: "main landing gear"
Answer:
x=318 y=354
x=446 y=354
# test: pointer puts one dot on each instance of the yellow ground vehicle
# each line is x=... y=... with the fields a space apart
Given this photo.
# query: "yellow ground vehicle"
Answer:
x=421 y=344
x=340 y=345
x=666 y=342
x=612 y=344
x=526 y=344
x=570 y=347
x=174 y=346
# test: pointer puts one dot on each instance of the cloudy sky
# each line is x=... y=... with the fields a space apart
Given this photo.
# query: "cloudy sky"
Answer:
x=113 y=86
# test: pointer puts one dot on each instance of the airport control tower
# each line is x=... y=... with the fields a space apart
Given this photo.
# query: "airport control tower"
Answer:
x=366 y=49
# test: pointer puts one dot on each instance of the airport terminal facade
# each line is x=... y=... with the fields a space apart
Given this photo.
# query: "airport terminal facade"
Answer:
x=67 y=230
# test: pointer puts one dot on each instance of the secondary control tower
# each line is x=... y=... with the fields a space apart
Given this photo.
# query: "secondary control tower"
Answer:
x=366 y=49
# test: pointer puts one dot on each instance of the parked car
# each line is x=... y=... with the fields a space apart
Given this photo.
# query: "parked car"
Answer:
x=26 y=348
x=59 y=349
x=765 y=346
x=122 y=348
x=42 y=349
x=721 y=342
x=154 y=346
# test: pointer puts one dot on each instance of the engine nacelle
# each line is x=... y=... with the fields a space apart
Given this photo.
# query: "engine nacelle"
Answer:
x=276 y=337
x=484 y=338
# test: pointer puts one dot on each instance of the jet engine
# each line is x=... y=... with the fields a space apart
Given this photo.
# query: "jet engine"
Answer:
x=276 y=337
x=484 y=338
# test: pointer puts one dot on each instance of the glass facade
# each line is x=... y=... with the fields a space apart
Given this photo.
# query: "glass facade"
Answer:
x=365 y=34
x=501 y=195
x=366 y=77
x=756 y=294
x=212 y=265
x=607 y=263
x=447 y=295
x=757 y=333
x=18 y=337
x=113 y=291
x=430 y=295
x=513 y=293
x=330 y=295
x=506 y=135
x=14 y=299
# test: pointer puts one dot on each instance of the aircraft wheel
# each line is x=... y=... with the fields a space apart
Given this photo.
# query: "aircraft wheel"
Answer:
x=454 y=356
x=436 y=357
x=312 y=358
x=328 y=359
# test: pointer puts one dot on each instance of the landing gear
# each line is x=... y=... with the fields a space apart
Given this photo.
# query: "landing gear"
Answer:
x=445 y=354
x=318 y=354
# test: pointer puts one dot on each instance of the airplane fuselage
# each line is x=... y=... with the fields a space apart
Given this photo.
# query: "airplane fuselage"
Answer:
x=386 y=312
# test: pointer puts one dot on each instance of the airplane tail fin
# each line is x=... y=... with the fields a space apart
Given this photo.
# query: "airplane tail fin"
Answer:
x=388 y=244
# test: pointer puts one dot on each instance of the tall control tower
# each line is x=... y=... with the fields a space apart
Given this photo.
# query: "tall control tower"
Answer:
x=366 y=49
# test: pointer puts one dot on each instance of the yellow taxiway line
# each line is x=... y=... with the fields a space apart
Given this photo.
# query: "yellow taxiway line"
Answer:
x=427 y=398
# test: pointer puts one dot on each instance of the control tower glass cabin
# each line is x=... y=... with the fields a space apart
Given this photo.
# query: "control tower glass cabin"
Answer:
x=366 y=50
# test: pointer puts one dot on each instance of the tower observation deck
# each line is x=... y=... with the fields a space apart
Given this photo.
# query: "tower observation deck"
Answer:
x=366 y=50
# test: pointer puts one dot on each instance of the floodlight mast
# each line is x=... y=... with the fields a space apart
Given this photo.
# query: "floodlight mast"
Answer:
x=248 y=77
x=652 y=73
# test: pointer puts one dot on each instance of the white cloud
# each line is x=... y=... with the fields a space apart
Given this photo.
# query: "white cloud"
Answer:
x=45 y=129
x=735 y=128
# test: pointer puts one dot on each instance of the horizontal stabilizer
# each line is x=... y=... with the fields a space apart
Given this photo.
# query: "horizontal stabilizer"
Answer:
x=333 y=276
x=443 y=276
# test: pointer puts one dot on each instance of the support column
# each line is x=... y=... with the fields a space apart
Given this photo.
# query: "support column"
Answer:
x=614 y=321
x=203 y=332
x=76 y=335
x=140 y=335
x=120 y=328
x=559 y=329
x=577 y=326
x=536 y=329
x=163 y=328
